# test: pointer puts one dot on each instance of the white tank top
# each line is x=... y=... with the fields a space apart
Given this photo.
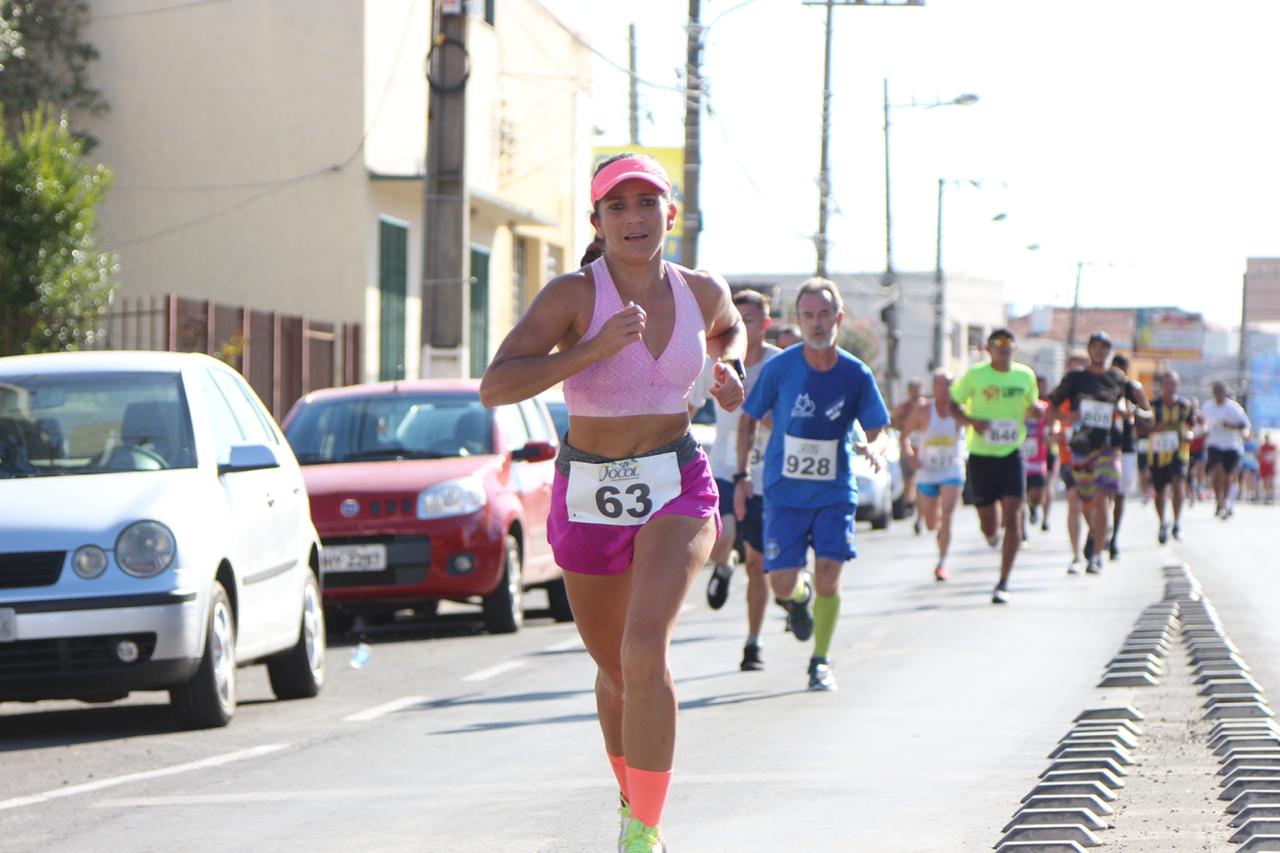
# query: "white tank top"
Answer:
x=942 y=450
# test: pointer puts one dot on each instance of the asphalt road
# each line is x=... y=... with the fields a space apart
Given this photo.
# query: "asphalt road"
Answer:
x=452 y=740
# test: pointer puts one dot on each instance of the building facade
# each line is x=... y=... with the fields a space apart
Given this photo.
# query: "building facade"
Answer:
x=270 y=153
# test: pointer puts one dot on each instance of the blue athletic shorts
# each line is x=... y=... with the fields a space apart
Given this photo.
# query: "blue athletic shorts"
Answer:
x=726 y=496
x=932 y=490
x=789 y=531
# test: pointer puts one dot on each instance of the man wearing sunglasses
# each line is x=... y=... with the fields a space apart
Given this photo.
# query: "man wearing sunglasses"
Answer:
x=994 y=399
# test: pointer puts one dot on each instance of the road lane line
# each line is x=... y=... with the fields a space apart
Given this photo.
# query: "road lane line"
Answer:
x=202 y=764
x=385 y=708
x=250 y=797
x=566 y=646
x=486 y=674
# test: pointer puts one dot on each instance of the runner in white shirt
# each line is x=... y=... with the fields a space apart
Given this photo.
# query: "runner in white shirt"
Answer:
x=1227 y=424
x=754 y=308
x=938 y=458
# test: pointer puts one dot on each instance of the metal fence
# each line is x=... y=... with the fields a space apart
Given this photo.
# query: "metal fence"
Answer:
x=283 y=356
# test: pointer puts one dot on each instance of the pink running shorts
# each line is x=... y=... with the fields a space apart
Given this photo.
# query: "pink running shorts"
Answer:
x=604 y=549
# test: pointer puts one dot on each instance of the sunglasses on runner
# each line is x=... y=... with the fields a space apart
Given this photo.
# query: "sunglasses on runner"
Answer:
x=999 y=340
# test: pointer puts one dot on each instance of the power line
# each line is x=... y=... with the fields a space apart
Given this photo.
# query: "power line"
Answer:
x=156 y=10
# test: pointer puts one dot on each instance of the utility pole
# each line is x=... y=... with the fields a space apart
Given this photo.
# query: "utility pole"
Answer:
x=446 y=261
x=1242 y=366
x=692 y=140
x=634 y=86
x=939 y=291
x=1075 y=311
x=890 y=311
x=824 y=167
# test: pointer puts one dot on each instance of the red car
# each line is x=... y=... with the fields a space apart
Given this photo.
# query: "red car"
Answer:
x=420 y=493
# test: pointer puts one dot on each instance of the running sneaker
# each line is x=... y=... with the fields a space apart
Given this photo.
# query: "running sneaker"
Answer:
x=940 y=573
x=751 y=660
x=624 y=813
x=1088 y=545
x=994 y=540
x=1113 y=548
x=1074 y=568
x=820 y=675
x=718 y=586
x=1177 y=532
x=1044 y=525
x=799 y=616
x=1000 y=595
x=638 y=838
x=1095 y=565
x=1163 y=536
x=916 y=526
x=1034 y=512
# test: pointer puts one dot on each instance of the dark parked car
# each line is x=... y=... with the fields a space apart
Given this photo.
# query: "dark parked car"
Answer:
x=420 y=493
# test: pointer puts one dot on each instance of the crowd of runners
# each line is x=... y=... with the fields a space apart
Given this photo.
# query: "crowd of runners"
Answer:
x=639 y=508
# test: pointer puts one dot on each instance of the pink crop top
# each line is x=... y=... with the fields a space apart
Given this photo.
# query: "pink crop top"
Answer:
x=632 y=381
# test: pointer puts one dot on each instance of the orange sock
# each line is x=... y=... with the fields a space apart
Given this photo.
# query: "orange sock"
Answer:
x=648 y=794
x=619 y=765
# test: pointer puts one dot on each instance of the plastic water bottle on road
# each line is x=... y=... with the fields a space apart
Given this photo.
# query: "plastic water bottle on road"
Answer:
x=360 y=655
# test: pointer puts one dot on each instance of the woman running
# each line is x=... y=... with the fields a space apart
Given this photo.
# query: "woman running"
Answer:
x=634 y=506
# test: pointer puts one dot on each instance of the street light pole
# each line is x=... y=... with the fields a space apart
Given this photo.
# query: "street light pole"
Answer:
x=824 y=167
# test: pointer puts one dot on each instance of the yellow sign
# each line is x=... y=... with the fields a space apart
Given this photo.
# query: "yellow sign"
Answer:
x=672 y=160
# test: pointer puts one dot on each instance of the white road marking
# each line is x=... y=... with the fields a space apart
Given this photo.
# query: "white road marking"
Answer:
x=465 y=791
x=566 y=646
x=497 y=669
x=255 y=797
x=202 y=764
x=385 y=708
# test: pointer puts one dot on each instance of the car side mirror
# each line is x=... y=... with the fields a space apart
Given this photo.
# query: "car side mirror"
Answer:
x=249 y=457
x=535 y=451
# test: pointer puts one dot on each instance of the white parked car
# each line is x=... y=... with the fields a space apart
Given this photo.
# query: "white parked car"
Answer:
x=155 y=535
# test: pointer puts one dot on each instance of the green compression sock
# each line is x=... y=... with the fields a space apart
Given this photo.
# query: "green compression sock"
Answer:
x=826 y=610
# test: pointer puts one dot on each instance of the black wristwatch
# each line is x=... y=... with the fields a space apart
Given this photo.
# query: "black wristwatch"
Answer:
x=736 y=364
x=741 y=475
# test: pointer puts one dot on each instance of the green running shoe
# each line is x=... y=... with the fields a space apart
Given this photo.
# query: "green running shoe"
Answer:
x=639 y=838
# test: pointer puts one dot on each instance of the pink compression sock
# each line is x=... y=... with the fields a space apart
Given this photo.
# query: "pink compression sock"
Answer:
x=619 y=765
x=648 y=794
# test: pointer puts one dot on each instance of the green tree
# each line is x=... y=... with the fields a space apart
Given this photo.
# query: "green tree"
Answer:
x=43 y=59
x=54 y=282
x=861 y=338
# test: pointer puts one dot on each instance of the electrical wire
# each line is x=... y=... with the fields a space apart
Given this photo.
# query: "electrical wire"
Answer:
x=156 y=10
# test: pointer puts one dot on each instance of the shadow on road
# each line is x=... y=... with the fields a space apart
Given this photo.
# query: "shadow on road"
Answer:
x=90 y=724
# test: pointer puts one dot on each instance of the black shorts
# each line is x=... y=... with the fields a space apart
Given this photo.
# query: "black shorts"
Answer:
x=1228 y=459
x=996 y=477
x=1163 y=475
x=1143 y=462
x=751 y=528
x=1067 y=476
x=1035 y=481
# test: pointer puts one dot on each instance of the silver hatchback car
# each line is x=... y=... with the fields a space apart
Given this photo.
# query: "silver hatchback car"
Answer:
x=155 y=534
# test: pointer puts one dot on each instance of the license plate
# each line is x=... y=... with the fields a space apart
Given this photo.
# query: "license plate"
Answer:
x=8 y=625
x=353 y=558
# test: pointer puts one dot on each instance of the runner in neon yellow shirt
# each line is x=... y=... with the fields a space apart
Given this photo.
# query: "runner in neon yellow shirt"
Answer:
x=994 y=399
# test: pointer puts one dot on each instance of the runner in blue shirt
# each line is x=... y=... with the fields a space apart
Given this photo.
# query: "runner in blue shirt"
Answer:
x=815 y=393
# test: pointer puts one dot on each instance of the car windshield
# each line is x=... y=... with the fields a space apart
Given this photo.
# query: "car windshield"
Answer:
x=390 y=427
x=559 y=411
x=93 y=423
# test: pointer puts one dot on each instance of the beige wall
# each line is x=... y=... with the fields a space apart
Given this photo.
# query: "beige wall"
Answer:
x=230 y=133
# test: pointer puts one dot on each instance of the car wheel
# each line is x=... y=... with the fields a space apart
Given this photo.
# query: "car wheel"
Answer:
x=208 y=699
x=880 y=520
x=504 y=607
x=901 y=509
x=558 y=601
x=299 y=672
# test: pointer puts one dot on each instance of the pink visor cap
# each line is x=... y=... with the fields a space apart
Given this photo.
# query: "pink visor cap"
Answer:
x=624 y=169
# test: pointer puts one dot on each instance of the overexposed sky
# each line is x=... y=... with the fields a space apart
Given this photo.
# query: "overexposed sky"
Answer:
x=1140 y=137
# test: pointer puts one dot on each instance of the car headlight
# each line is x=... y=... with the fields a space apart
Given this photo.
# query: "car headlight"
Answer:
x=452 y=497
x=145 y=549
x=89 y=561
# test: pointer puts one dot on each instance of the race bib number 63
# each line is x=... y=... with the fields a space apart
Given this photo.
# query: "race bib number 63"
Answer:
x=625 y=493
